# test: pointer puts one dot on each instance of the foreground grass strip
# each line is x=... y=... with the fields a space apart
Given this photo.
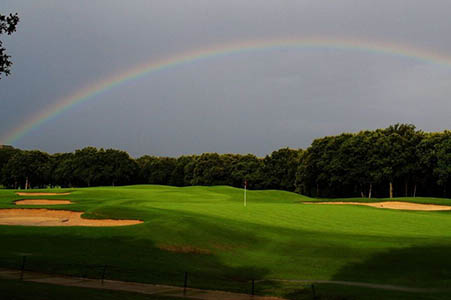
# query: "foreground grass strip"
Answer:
x=143 y=288
x=26 y=290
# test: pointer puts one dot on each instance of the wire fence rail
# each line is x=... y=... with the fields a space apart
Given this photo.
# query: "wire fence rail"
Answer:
x=238 y=283
x=102 y=272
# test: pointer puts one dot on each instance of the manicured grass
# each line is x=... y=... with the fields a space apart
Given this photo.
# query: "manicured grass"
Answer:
x=207 y=232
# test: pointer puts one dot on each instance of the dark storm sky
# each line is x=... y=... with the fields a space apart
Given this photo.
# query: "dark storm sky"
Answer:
x=253 y=102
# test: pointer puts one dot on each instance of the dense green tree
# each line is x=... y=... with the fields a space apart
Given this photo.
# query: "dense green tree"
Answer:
x=63 y=169
x=247 y=167
x=443 y=167
x=8 y=25
x=6 y=152
x=399 y=154
x=357 y=175
x=156 y=170
x=395 y=161
x=189 y=170
x=178 y=176
x=118 y=167
x=311 y=176
x=209 y=170
x=280 y=167
x=87 y=167
x=27 y=169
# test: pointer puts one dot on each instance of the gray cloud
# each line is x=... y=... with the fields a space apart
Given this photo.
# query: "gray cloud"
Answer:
x=249 y=102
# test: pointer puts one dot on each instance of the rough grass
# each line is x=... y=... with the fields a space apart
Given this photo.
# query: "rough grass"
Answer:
x=275 y=236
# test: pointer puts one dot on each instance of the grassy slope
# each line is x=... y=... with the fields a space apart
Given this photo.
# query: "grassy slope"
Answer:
x=274 y=237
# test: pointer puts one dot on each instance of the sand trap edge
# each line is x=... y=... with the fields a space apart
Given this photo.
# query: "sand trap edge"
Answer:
x=41 y=194
x=42 y=202
x=55 y=217
x=397 y=205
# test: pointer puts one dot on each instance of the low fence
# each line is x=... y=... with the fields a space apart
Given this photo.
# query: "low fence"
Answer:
x=185 y=279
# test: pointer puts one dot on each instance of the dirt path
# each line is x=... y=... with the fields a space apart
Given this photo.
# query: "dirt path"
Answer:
x=143 y=288
x=173 y=291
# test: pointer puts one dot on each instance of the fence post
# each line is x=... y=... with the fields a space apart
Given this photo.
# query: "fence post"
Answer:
x=253 y=287
x=185 y=284
x=103 y=273
x=22 y=269
x=314 y=292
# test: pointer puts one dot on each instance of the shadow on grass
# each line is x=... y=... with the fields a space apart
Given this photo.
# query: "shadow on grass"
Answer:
x=200 y=270
x=133 y=255
x=422 y=267
x=237 y=254
x=426 y=267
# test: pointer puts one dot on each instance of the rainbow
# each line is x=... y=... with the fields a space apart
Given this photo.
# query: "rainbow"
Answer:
x=91 y=91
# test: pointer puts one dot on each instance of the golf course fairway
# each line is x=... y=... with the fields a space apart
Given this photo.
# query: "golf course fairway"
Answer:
x=208 y=233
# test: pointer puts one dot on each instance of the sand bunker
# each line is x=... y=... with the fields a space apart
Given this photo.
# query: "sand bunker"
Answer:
x=40 y=194
x=41 y=202
x=392 y=205
x=47 y=217
x=184 y=249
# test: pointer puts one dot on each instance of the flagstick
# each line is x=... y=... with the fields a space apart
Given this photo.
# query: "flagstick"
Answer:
x=245 y=195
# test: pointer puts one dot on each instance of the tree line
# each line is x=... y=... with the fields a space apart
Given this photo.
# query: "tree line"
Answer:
x=90 y=166
x=395 y=161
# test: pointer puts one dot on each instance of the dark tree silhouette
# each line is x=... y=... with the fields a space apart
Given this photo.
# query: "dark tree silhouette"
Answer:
x=392 y=162
x=7 y=25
